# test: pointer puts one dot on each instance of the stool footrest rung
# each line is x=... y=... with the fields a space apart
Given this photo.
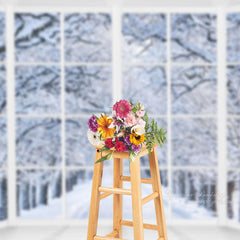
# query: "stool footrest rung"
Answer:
x=145 y=225
x=115 y=190
x=149 y=198
x=112 y=234
x=107 y=238
x=104 y=195
x=143 y=180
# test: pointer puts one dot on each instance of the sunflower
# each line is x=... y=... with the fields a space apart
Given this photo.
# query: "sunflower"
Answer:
x=137 y=139
x=104 y=122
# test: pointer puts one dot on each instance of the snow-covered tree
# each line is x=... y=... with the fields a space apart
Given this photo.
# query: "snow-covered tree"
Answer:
x=88 y=89
x=37 y=37
x=3 y=101
x=194 y=142
x=148 y=85
x=3 y=143
x=233 y=87
x=233 y=142
x=88 y=37
x=37 y=90
x=193 y=37
x=2 y=37
x=233 y=39
x=194 y=90
x=144 y=38
x=38 y=142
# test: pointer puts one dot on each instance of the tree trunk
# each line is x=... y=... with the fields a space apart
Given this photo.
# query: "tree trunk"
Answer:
x=4 y=197
x=57 y=192
x=26 y=202
x=192 y=190
x=18 y=201
x=44 y=194
x=182 y=184
x=33 y=196
x=229 y=197
x=213 y=204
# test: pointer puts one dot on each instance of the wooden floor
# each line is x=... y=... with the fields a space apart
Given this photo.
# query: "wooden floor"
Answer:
x=80 y=233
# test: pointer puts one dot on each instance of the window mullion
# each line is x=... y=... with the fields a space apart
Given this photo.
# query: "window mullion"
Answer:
x=222 y=121
x=11 y=134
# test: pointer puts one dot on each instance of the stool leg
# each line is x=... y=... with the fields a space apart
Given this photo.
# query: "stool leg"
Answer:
x=136 y=199
x=95 y=198
x=117 y=198
x=158 y=202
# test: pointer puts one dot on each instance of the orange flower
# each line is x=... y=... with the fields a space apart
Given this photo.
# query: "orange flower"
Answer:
x=104 y=122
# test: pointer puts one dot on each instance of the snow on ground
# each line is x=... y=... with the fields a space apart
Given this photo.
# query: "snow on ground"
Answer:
x=78 y=203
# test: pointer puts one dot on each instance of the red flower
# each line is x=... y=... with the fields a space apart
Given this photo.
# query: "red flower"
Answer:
x=120 y=147
x=109 y=143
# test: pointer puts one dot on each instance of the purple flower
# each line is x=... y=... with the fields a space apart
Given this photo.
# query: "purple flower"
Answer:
x=127 y=140
x=117 y=121
x=92 y=124
x=126 y=148
x=136 y=148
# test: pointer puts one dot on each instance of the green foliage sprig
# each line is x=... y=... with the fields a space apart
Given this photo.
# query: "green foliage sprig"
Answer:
x=153 y=134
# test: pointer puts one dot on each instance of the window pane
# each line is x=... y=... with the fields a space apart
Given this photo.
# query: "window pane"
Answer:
x=233 y=142
x=148 y=85
x=194 y=142
x=37 y=90
x=233 y=86
x=88 y=37
x=3 y=143
x=39 y=194
x=79 y=151
x=2 y=89
x=88 y=89
x=144 y=38
x=194 y=90
x=233 y=37
x=233 y=190
x=3 y=196
x=38 y=142
x=194 y=194
x=2 y=37
x=37 y=37
x=193 y=37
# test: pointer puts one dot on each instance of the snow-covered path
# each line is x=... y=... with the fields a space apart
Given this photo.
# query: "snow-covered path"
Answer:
x=78 y=203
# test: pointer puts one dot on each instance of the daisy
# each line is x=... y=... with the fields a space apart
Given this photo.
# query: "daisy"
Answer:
x=94 y=137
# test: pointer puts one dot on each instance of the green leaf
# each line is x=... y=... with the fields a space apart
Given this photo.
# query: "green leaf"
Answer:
x=104 y=148
x=106 y=157
x=132 y=156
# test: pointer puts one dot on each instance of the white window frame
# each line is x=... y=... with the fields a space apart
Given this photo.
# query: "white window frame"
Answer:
x=117 y=11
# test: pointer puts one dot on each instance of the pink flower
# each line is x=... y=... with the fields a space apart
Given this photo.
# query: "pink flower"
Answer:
x=130 y=120
x=140 y=113
x=141 y=122
x=122 y=108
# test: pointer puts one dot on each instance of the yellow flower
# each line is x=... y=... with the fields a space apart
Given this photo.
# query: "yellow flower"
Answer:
x=137 y=139
x=104 y=122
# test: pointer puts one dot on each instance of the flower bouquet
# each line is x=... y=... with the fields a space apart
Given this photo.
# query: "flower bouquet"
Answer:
x=127 y=130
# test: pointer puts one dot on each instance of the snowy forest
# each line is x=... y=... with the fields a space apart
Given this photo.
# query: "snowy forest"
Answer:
x=87 y=89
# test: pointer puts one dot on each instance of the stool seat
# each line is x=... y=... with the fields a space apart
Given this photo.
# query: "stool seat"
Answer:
x=124 y=155
x=100 y=192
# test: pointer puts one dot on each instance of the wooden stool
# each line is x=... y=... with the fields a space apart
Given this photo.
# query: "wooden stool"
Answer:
x=100 y=192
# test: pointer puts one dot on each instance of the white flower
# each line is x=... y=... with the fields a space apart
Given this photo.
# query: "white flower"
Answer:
x=138 y=129
x=94 y=137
